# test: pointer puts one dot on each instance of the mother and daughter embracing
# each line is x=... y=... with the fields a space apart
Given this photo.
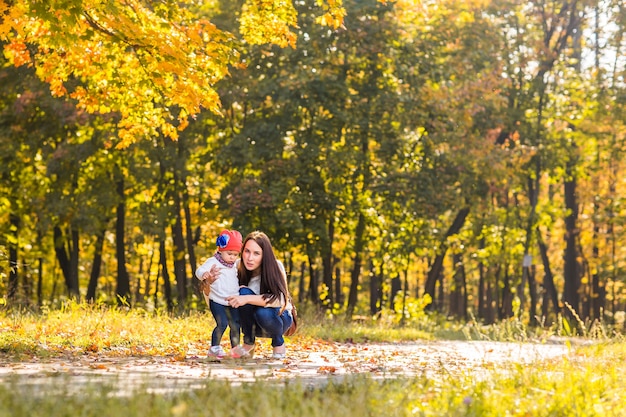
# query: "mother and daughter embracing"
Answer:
x=247 y=294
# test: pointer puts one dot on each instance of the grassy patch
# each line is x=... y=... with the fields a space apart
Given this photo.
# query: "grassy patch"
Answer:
x=78 y=329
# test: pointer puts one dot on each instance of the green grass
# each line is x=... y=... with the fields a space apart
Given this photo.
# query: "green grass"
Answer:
x=587 y=383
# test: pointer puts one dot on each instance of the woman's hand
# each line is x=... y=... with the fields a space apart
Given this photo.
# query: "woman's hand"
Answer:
x=237 y=300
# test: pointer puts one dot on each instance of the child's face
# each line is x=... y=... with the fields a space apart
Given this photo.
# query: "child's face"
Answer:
x=229 y=255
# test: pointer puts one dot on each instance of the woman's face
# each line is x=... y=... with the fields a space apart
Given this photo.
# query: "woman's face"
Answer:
x=252 y=256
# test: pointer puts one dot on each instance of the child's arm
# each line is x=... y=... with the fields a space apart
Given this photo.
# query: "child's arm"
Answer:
x=203 y=268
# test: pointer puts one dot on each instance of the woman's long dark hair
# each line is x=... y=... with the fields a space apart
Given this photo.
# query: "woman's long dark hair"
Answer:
x=273 y=280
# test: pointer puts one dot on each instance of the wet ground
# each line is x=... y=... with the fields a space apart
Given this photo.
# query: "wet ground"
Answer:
x=314 y=363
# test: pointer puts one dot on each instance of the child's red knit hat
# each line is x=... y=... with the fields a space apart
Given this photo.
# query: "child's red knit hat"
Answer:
x=229 y=240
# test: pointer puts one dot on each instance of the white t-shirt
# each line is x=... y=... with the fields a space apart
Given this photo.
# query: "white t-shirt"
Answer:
x=225 y=285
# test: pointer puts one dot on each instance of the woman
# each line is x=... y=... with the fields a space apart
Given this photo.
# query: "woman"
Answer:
x=263 y=300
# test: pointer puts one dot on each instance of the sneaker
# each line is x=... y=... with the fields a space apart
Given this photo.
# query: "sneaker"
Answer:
x=216 y=352
x=279 y=352
x=242 y=352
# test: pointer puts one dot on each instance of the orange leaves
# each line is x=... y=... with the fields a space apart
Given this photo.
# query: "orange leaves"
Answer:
x=9 y=17
x=17 y=52
x=152 y=65
x=326 y=369
x=153 y=72
x=92 y=348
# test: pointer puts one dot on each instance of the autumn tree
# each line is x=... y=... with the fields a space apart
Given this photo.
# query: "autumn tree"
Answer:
x=154 y=65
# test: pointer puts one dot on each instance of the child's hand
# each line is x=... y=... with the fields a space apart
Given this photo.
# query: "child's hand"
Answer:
x=212 y=275
x=209 y=278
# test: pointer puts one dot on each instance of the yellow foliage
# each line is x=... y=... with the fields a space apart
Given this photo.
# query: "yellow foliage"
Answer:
x=265 y=21
x=154 y=65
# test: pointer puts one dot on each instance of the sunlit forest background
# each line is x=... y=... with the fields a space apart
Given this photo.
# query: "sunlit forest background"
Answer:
x=463 y=157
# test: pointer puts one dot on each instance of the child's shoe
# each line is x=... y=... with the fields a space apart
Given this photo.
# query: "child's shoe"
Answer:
x=242 y=352
x=216 y=352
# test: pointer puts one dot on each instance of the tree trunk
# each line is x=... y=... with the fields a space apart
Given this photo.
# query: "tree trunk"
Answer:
x=301 y=289
x=138 y=297
x=482 y=296
x=291 y=283
x=376 y=280
x=327 y=264
x=179 y=255
x=506 y=306
x=65 y=263
x=314 y=295
x=597 y=288
x=405 y=294
x=437 y=266
x=490 y=316
x=180 y=171
x=458 y=293
x=122 y=290
x=167 y=287
x=570 y=268
x=40 y=281
x=396 y=287
x=548 y=278
x=95 y=267
x=74 y=258
x=338 y=292
x=532 y=293
x=61 y=253
x=533 y=198
x=359 y=235
x=189 y=236
x=147 y=284
x=14 y=220
x=496 y=294
x=441 y=297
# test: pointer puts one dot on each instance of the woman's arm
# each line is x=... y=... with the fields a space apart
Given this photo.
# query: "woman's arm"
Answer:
x=256 y=300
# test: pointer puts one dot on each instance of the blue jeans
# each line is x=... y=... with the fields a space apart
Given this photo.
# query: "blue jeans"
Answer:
x=225 y=316
x=263 y=322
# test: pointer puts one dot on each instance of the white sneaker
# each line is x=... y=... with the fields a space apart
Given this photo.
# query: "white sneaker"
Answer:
x=279 y=352
x=216 y=352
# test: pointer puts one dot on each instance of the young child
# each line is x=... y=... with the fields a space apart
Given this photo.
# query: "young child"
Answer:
x=220 y=272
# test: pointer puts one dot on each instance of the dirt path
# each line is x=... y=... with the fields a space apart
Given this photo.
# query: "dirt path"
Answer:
x=316 y=364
